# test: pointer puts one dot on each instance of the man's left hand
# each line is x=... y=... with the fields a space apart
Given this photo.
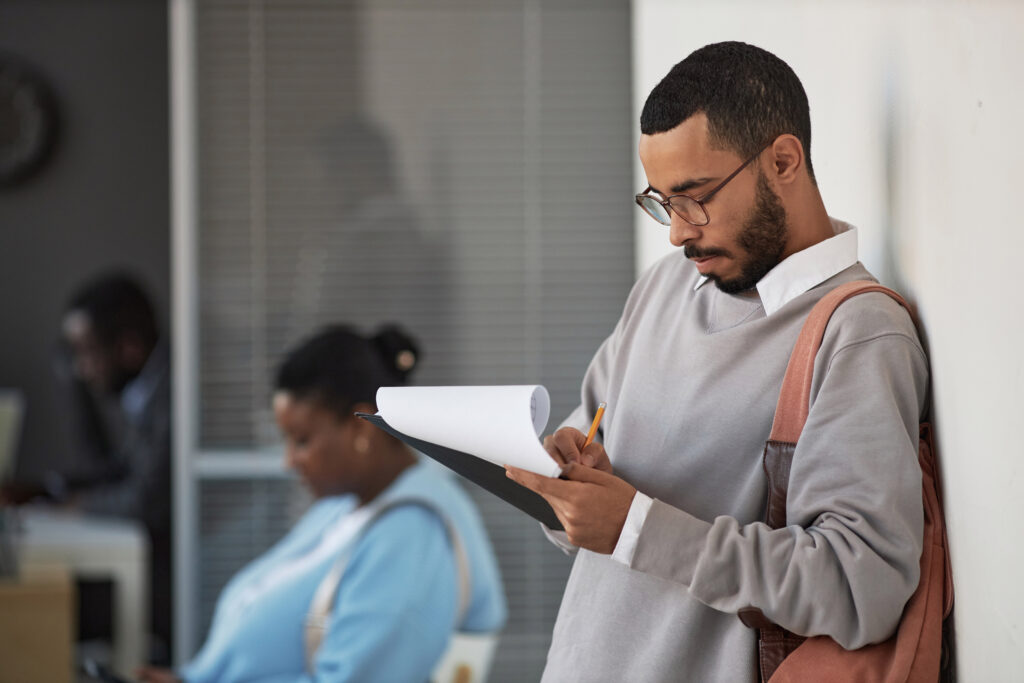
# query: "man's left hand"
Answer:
x=592 y=505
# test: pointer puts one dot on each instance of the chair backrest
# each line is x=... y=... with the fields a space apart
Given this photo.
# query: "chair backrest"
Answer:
x=467 y=659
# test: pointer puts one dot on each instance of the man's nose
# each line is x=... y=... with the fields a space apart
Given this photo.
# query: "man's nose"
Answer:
x=680 y=232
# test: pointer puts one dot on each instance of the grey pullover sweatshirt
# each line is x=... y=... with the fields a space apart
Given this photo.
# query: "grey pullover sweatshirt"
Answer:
x=691 y=377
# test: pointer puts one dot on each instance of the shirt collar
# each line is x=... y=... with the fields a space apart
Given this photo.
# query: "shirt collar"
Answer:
x=806 y=269
x=137 y=393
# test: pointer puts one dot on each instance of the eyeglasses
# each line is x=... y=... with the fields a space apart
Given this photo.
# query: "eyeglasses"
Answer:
x=686 y=207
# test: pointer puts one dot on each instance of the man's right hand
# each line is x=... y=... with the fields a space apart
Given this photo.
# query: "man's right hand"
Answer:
x=566 y=446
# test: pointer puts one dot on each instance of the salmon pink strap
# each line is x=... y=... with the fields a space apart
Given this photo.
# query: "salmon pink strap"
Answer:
x=794 y=399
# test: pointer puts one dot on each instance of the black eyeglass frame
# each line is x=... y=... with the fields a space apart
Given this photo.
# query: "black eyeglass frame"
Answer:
x=706 y=197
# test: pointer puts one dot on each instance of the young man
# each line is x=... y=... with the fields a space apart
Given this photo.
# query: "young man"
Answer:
x=122 y=369
x=665 y=516
x=118 y=380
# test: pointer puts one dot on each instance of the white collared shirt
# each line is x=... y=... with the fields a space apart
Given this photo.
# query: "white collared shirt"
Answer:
x=783 y=283
x=136 y=395
x=806 y=269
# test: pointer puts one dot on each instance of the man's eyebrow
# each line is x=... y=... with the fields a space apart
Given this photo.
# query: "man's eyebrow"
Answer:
x=689 y=185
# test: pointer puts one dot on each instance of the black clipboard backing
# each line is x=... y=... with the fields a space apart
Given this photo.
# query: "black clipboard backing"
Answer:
x=485 y=474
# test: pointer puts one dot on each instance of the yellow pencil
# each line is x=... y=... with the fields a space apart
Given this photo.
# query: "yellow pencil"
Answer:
x=593 y=427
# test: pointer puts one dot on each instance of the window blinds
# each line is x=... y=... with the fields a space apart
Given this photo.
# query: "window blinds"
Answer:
x=463 y=168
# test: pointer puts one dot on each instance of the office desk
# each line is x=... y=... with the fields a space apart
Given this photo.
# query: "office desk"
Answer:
x=36 y=626
x=97 y=548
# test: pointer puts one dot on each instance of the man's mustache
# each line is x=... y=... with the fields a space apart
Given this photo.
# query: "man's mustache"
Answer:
x=692 y=252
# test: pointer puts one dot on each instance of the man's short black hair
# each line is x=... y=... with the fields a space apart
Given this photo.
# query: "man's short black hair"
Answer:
x=117 y=305
x=749 y=95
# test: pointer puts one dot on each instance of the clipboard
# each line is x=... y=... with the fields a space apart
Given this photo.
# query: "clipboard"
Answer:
x=485 y=474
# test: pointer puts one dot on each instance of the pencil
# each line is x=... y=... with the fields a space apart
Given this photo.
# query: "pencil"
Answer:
x=593 y=427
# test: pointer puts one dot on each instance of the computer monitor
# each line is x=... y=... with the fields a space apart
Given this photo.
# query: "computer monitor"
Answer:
x=12 y=410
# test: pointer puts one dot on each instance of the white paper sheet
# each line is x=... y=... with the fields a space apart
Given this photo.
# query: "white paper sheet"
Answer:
x=500 y=424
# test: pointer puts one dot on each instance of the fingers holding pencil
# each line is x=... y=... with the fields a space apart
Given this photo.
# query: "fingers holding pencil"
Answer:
x=571 y=445
x=594 y=456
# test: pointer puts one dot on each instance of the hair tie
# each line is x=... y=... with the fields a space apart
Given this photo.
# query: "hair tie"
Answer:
x=405 y=360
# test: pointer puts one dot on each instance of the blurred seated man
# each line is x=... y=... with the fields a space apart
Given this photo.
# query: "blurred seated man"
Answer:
x=119 y=386
x=378 y=547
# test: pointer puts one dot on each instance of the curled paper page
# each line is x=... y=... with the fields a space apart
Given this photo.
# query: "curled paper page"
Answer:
x=500 y=424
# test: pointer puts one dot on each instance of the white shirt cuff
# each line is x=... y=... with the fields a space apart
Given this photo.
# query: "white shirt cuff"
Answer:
x=626 y=546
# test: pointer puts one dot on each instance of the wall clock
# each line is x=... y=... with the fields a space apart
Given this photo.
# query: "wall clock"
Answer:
x=28 y=121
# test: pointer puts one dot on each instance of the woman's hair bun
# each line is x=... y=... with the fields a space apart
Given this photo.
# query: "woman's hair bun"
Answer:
x=399 y=351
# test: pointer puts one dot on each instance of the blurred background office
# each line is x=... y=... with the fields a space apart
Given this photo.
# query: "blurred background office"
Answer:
x=468 y=168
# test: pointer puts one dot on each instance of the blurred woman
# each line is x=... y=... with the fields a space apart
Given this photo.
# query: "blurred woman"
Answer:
x=385 y=527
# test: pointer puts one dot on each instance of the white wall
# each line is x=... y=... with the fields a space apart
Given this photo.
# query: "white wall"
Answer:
x=916 y=114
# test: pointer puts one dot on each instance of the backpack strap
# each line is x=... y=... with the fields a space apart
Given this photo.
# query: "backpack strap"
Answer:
x=793 y=406
x=321 y=607
x=794 y=399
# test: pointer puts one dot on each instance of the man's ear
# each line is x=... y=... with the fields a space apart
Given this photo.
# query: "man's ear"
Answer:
x=786 y=156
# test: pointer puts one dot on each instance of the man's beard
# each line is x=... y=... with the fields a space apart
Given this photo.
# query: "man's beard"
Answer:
x=763 y=239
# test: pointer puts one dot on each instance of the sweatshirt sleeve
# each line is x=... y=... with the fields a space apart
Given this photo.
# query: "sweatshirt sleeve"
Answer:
x=598 y=378
x=597 y=383
x=849 y=559
x=595 y=387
